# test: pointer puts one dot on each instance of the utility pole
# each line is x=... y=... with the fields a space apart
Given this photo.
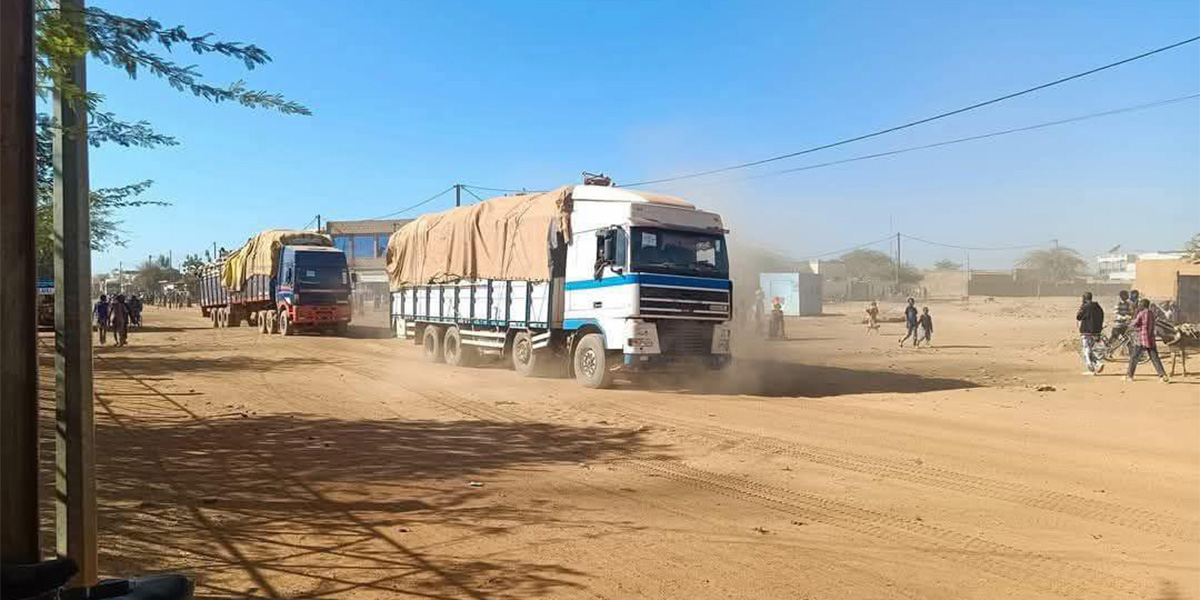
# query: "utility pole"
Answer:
x=318 y=223
x=458 y=194
x=75 y=464
x=897 y=261
x=18 y=312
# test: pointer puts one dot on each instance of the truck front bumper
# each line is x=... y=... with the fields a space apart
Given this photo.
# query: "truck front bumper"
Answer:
x=664 y=363
x=321 y=315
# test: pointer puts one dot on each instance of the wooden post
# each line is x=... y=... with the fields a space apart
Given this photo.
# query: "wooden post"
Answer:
x=18 y=308
x=75 y=486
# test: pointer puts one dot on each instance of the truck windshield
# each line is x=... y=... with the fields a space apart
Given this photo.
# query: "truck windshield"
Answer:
x=321 y=271
x=679 y=253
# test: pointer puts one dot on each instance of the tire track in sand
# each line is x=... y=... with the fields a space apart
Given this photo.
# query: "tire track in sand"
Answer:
x=1022 y=567
x=944 y=479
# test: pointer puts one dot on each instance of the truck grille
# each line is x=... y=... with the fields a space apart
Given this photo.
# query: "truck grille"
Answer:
x=682 y=338
x=684 y=303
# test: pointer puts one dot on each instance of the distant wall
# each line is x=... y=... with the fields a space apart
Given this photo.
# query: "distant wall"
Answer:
x=1156 y=279
x=1009 y=284
x=945 y=284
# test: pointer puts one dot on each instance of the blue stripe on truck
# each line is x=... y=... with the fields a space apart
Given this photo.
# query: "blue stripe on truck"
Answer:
x=650 y=279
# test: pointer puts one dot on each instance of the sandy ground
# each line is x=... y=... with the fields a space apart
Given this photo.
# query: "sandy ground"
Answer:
x=830 y=466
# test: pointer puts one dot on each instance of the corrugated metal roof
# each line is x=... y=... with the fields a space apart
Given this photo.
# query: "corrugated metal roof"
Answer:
x=365 y=226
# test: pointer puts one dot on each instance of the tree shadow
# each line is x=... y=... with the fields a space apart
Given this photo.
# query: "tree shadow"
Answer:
x=307 y=506
x=774 y=378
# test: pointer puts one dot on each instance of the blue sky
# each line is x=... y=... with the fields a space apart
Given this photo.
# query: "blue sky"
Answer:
x=410 y=97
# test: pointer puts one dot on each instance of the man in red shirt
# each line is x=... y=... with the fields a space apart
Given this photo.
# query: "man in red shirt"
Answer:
x=1143 y=324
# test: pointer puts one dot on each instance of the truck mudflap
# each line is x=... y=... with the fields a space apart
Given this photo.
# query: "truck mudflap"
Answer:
x=317 y=315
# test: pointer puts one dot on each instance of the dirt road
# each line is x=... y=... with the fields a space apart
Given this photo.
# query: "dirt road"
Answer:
x=833 y=465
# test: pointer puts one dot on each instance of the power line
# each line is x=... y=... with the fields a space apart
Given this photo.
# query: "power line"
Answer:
x=962 y=140
x=979 y=248
x=310 y=222
x=921 y=121
x=468 y=190
x=500 y=190
x=973 y=138
x=850 y=249
x=417 y=205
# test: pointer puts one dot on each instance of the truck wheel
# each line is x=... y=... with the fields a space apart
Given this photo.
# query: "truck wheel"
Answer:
x=285 y=324
x=264 y=322
x=212 y=316
x=431 y=340
x=525 y=360
x=233 y=318
x=458 y=355
x=591 y=362
x=272 y=321
x=342 y=329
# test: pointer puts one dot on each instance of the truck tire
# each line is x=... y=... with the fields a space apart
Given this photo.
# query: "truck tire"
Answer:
x=212 y=316
x=591 y=362
x=233 y=318
x=341 y=329
x=272 y=321
x=526 y=361
x=431 y=340
x=285 y=325
x=458 y=355
x=264 y=325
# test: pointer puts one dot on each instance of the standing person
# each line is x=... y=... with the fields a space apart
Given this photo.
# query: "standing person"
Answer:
x=1091 y=323
x=776 y=326
x=120 y=319
x=873 y=317
x=1124 y=314
x=135 y=310
x=1135 y=302
x=910 y=320
x=100 y=314
x=1143 y=325
x=926 y=322
x=759 y=309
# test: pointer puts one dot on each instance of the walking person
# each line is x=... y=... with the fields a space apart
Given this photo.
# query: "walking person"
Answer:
x=1091 y=323
x=910 y=320
x=100 y=314
x=120 y=320
x=1143 y=326
x=873 y=318
x=759 y=310
x=926 y=323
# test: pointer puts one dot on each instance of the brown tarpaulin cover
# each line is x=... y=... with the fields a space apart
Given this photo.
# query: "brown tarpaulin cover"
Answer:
x=505 y=238
x=259 y=254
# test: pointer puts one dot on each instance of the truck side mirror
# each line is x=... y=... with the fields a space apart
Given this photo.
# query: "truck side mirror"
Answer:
x=354 y=278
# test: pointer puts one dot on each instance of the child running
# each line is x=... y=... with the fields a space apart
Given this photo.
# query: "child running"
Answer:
x=926 y=323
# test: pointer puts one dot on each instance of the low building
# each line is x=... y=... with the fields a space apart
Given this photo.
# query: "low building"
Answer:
x=1175 y=279
x=365 y=245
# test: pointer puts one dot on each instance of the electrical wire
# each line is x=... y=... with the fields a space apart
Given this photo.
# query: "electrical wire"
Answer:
x=850 y=249
x=978 y=248
x=920 y=121
x=972 y=138
x=310 y=222
x=417 y=205
x=468 y=190
x=501 y=190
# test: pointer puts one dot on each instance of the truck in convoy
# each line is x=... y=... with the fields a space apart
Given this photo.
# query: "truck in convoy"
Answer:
x=281 y=282
x=588 y=280
x=45 y=303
